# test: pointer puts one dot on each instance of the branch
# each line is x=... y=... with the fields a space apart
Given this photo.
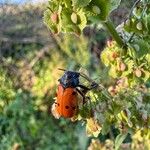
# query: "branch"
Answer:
x=109 y=26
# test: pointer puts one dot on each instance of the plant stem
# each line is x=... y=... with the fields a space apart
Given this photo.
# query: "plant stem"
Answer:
x=110 y=27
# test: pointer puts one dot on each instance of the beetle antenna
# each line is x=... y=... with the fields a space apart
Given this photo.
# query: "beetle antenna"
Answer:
x=62 y=69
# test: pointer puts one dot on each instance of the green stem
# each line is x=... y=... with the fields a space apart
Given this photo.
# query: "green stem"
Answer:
x=110 y=27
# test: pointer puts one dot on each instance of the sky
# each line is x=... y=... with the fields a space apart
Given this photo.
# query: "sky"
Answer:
x=20 y=1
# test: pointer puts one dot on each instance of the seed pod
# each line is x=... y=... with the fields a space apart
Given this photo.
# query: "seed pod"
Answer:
x=138 y=73
x=112 y=90
x=54 y=17
x=96 y=9
x=74 y=18
x=139 y=26
x=122 y=66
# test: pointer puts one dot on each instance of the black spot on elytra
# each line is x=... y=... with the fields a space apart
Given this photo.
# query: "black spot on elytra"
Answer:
x=67 y=107
x=73 y=93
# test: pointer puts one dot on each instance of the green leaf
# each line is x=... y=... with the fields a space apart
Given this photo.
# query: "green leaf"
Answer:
x=105 y=58
x=146 y=75
x=113 y=72
x=148 y=22
x=105 y=128
x=148 y=59
x=143 y=48
x=67 y=3
x=119 y=139
x=80 y=3
x=83 y=20
x=104 y=7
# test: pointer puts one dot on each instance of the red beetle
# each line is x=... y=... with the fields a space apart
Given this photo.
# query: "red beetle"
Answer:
x=66 y=104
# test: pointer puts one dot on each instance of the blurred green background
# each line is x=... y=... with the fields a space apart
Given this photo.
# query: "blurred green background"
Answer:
x=30 y=56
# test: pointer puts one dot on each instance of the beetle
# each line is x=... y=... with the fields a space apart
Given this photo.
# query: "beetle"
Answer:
x=66 y=104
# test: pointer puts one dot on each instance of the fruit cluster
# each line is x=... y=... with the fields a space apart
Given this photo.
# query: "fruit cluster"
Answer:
x=126 y=65
x=74 y=15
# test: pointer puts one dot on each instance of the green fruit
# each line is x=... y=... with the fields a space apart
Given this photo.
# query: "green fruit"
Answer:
x=74 y=18
x=139 y=26
x=96 y=9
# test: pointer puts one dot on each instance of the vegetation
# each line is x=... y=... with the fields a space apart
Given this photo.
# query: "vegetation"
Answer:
x=125 y=105
x=117 y=116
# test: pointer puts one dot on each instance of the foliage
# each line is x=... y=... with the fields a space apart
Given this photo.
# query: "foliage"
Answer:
x=117 y=111
x=74 y=15
x=28 y=76
x=124 y=105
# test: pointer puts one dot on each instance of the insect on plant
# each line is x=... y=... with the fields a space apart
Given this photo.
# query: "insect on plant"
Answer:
x=68 y=91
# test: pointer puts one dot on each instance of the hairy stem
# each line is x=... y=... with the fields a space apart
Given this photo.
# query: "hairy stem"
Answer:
x=110 y=27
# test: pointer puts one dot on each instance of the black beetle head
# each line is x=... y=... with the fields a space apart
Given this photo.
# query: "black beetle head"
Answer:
x=69 y=79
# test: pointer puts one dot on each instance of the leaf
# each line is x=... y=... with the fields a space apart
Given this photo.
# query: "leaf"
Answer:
x=148 y=59
x=67 y=3
x=105 y=128
x=102 y=5
x=119 y=139
x=113 y=72
x=105 y=7
x=80 y=3
x=148 y=22
x=83 y=19
x=146 y=75
x=105 y=57
x=143 y=48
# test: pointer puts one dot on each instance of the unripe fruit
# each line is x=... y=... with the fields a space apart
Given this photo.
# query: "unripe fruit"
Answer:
x=122 y=66
x=112 y=90
x=54 y=17
x=139 y=26
x=138 y=73
x=96 y=9
x=74 y=18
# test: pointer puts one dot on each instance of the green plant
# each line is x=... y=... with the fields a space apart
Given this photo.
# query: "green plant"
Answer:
x=124 y=105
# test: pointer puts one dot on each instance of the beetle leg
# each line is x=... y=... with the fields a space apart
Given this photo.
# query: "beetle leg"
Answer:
x=82 y=94
x=93 y=85
x=83 y=87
